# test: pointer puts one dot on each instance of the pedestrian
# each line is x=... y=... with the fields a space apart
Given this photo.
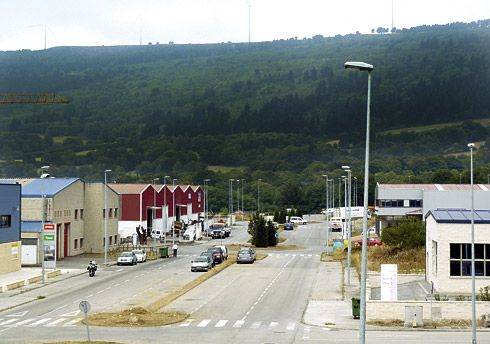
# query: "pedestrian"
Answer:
x=175 y=247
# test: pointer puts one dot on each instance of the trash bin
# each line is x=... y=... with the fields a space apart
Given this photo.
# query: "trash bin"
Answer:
x=356 y=307
x=164 y=252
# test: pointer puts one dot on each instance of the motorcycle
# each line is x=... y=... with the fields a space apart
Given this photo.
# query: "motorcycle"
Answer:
x=92 y=267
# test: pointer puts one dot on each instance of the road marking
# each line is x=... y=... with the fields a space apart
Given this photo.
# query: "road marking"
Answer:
x=118 y=270
x=56 y=322
x=117 y=285
x=39 y=322
x=310 y=255
x=273 y=324
x=255 y=324
x=8 y=322
x=238 y=323
x=291 y=326
x=306 y=332
x=20 y=314
x=204 y=323
x=187 y=323
x=221 y=323
x=91 y=295
x=71 y=314
x=23 y=322
x=99 y=292
x=71 y=322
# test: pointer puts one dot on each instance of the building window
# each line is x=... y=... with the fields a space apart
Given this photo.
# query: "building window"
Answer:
x=110 y=213
x=199 y=197
x=190 y=196
x=110 y=240
x=415 y=203
x=460 y=260
x=115 y=213
x=76 y=214
x=75 y=244
x=81 y=214
x=103 y=213
x=81 y=242
x=115 y=239
x=5 y=221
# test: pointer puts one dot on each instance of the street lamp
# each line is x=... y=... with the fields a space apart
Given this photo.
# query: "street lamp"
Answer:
x=153 y=211
x=238 y=196
x=326 y=206
x=164 y=221
x=349 y=223
x=231 y=201
x=173 y=210
x=43 y=201
x=471 y=146
x=355 y=191
x=105 y=215
x=258 y=196
x=206 y=209
x=243 y=209
x=362 y=66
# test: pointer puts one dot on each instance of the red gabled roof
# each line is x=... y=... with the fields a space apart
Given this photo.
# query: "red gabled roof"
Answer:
x=184 y=187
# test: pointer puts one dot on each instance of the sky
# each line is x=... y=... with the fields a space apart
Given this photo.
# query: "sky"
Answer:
x=24 y=24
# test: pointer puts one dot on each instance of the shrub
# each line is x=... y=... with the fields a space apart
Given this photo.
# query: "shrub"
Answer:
x=405 y=235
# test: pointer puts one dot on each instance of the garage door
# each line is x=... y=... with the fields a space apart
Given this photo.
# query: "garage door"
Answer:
x=29 y=255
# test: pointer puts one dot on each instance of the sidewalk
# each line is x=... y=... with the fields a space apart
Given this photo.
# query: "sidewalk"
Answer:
x=330 y=303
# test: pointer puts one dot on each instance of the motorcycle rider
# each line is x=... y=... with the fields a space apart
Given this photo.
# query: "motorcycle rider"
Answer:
x=92 y=267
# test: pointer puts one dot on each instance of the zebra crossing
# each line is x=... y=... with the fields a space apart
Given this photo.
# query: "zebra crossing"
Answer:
x=302 y=255
x=236 y=324
x=38 y=321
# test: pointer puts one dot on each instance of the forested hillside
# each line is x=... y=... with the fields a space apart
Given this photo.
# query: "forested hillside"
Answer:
x=284 y=111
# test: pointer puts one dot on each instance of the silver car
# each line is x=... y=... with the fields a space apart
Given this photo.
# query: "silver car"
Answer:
x=245 y=256
x=201 y=263
x=127 y=258
x=140 y=255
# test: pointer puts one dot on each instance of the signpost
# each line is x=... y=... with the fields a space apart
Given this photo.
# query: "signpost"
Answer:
x=49 y=245
x=389 y=282
x=85 y=308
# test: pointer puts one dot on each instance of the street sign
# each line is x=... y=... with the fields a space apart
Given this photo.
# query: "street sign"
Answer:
x=49 y=243
x=276 y=235
x=84 y=306
x=49 y=237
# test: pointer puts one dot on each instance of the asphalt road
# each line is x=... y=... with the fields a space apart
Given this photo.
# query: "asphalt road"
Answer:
x=262 y=302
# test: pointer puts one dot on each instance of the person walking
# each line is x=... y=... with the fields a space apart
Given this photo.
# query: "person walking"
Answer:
x=174 y=248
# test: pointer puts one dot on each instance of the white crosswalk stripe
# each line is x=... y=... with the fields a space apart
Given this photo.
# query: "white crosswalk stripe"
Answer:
x=291 y=326
x=186 y=323
x=273 y=324
x=22 y=322
x=221 y=323
x=56 y=322
x=238 y=323
x=256 y=324
x=39 y=322
x=8 y=321
x=71 y=323
x=204 y=323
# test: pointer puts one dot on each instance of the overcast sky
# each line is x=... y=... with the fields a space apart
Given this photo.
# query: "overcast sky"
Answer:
x=120 y=22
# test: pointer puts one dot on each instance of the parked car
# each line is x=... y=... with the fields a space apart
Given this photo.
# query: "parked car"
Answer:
x=371 y=242
x=224 y=251
x=127 y=258
x=140 y=255
x=217 y=254
x=201 y=263
x=245 y=255
x=288 y=226
x=298 y=220
x=210 y=256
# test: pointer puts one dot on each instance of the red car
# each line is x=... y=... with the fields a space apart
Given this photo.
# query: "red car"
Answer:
x=371 y=242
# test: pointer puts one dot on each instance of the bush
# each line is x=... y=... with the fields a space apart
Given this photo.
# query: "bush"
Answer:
x=405 y=235
x=263 y=234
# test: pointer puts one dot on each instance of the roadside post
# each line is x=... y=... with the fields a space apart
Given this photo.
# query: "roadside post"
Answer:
x=85 y=308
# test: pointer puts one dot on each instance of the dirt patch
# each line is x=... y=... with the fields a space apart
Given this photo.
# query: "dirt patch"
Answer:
x=260 y=256
x=82 y=342
x=136 y=317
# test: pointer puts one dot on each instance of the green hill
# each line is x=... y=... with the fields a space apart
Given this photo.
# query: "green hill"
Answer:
x=263 y=110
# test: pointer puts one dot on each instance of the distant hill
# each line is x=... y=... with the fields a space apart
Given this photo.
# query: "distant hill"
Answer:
x=270 y=109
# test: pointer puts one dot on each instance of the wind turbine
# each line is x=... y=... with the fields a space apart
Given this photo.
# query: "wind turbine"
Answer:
x=249 y=10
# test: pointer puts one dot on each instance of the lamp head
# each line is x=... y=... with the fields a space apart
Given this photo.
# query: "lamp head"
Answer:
x=471 y=145
x=362 y=66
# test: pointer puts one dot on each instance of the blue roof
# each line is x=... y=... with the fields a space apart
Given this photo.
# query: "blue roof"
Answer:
x=46 y=186
x=31 y=226
x=459 y=215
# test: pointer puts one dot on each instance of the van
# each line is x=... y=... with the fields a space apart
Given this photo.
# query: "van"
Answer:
x=298 y=220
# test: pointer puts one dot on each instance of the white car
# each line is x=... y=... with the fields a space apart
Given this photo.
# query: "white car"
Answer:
x=298 y=220
x=140 y=255
x=127 y=258
x=201 y=263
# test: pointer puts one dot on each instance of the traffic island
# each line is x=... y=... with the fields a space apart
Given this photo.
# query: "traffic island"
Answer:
x=136 y=317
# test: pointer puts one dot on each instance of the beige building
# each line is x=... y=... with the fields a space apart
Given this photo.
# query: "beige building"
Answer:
x=448 y=247
x=95 y=214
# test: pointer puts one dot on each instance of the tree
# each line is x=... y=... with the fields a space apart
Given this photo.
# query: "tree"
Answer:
x=407 y=234
x=258 y=231
x=271 y=234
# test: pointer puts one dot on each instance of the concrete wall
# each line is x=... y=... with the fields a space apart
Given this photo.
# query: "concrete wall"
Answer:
x=437 y=262
x=94 y=220
x=10 y=256
x=395 y=310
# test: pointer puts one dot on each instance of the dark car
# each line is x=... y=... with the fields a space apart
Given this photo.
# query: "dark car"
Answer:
x=288 y=226
x=217 y=253
x=210 y=256
x=245 y=255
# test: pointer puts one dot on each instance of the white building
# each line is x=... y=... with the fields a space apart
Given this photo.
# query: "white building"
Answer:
x=448 y=250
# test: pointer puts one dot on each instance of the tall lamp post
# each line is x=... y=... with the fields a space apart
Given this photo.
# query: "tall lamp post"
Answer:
x=258 y=196
x=238 y=196
x=173 y=209
x=165 y=213
x=355 y=191
x=105 y=215
x=43 y=201
x=231 y=202
x=206 y=224
x=362 y=66
x=349 y=223
x=471 y=146
x=243 y=209
x=326 y=206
